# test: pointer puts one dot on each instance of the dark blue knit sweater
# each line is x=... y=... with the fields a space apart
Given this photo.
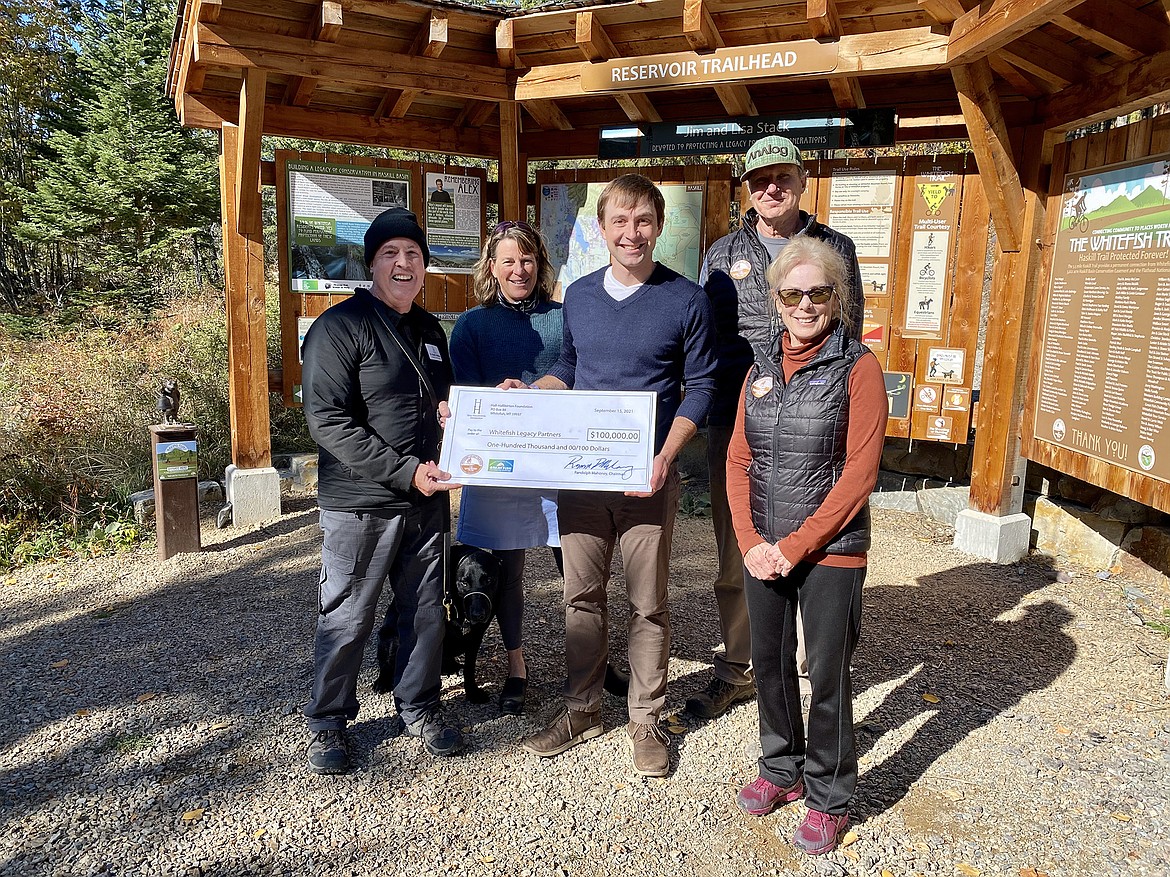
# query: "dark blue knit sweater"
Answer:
x=657 y=339
x=491 y=344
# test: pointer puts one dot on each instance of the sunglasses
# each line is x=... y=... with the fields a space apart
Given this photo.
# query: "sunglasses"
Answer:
x=513 y=223
x=818 y=295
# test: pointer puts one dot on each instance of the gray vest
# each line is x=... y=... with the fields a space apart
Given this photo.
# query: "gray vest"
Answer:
x=796 y=433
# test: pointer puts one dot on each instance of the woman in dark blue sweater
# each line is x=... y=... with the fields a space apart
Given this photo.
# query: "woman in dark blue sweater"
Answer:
x=515 y=331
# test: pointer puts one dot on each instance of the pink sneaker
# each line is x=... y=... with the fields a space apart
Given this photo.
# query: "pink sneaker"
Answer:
x=760 y=797
x=818 y=833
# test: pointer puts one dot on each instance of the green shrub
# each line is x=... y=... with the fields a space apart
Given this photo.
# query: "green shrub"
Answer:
x=75 y=404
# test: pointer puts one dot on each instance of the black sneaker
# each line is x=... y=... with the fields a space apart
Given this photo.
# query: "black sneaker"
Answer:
x=328 y=752
x=439 y=737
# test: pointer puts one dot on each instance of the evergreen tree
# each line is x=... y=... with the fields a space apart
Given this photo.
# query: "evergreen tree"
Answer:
x=38 y=70
x=128 y=192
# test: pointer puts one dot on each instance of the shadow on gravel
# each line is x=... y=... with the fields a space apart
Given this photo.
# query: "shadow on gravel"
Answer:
x=219 y=643
x=968 y=636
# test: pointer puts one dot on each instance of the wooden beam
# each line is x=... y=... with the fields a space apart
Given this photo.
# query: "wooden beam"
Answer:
x=823 y=21
x=699 y=28
x=243 y=260
x=994 y=23
x=910 y=50
x=512 y=183
x=1133 y=86
x=592 y=39
x=1047 y=69
x=1118 y=28
x=429 y=42
x=474 y=114
x=201 y=111
x=506 y=44
x=996 y=457
x=637 y=106
x=943 y=11
x=993 y=154
x=736 y=100
x=230 y=47
x=209 y=10
x=402 y=103
x=547 y=114
x=431 y=38
x=250 y=123
x=847 y=93
x=325 y=26
x=1016 y=78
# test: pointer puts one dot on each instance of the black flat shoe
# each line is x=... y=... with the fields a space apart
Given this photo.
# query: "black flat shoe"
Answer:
x=512 y=695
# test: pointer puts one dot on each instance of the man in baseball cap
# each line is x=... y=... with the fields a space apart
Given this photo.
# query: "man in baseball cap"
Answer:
x=733 y=275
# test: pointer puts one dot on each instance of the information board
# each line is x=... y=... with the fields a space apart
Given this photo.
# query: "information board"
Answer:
x=330 y=206
x=568 y=221
x=1104 y=384
x=453 y=210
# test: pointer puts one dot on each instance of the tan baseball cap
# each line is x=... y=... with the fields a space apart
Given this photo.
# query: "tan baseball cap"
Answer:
x=771 y=150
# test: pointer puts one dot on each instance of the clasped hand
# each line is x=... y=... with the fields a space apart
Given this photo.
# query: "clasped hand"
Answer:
x=765 y=561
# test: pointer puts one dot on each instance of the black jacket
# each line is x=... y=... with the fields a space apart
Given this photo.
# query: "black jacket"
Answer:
x=366 y=405
x=743 y=309
x=797 y=434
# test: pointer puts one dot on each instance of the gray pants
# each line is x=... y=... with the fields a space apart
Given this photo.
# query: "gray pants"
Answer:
x=360 y=551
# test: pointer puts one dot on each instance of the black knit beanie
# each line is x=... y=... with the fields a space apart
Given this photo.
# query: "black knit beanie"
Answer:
x=397 y=222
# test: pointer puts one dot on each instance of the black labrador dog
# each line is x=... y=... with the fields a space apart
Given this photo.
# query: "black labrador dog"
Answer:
x=470 y=594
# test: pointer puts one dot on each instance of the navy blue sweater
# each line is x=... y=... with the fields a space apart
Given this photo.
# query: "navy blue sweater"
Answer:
x=660 y=337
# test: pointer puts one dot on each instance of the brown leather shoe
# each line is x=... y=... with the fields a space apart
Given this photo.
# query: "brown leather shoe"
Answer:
x=651 y=750
x=569 y=728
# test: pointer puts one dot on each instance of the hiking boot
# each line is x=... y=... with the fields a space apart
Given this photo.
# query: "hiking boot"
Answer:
x=328 y=752
x=438 y=737
x=651 y=749
x=565 y=731
x=760 y=797
x=818 y=833
x=718 y=697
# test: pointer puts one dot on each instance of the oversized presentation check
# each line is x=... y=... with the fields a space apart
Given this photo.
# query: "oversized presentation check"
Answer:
x=562 y=439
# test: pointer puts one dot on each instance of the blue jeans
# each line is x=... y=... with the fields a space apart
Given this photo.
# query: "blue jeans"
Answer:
x=359 y=552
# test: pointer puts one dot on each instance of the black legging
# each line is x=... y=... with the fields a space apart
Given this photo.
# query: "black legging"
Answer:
x=510 y=612
x=830 y=604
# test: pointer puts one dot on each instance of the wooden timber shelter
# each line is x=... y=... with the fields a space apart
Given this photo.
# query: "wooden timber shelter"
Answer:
x=1013 y=76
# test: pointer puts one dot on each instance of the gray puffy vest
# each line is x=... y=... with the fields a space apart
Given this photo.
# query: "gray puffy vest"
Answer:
x=796 y=433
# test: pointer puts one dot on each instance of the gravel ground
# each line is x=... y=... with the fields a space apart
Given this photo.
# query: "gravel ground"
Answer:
x=1012 y=721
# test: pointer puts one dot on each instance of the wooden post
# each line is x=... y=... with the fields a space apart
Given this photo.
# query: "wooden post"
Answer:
x=176 y=494
x=243 y=259
x=512 y=182
x=994 y=525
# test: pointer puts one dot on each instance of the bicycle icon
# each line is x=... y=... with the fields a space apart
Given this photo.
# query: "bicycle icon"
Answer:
x=926 y=272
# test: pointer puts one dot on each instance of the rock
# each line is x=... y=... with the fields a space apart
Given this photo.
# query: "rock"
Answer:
x=210 y=499
x=1075 y=490
x=943 y=504
x=1145 y=555
x=1119 y=508
x=902 y=500
x=1065 y=530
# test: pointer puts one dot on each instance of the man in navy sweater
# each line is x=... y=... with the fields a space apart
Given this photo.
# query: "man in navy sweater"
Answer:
x=633 y=326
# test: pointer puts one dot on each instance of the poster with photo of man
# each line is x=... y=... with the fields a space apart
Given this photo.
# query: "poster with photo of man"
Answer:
x=453 y=222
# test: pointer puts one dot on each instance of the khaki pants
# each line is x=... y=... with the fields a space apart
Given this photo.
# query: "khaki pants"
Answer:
x=734 y=655
x=591 y=523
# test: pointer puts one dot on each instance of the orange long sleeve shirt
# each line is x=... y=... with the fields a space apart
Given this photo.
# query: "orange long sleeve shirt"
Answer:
x=868 y=411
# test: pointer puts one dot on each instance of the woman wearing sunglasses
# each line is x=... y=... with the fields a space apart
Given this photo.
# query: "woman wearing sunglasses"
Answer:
x=803 y=460
x=514 y=332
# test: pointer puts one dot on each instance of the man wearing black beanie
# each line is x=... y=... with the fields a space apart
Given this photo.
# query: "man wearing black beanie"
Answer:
x=375 y=380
